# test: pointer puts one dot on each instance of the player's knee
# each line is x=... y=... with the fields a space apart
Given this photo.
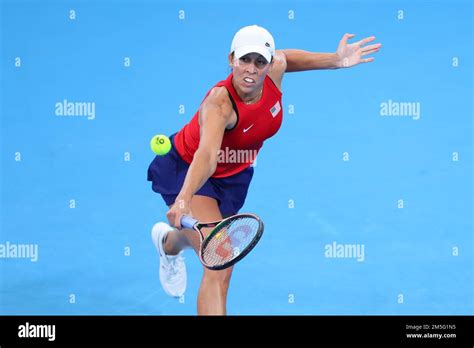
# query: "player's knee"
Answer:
x=222 y=277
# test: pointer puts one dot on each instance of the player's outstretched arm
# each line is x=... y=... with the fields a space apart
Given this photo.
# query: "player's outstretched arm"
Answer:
x=346 y=55
x=214 y=117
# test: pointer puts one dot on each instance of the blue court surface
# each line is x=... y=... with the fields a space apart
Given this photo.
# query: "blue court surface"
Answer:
x=366 y=190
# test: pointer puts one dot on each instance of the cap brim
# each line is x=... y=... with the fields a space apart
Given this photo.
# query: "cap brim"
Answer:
x=242 y=51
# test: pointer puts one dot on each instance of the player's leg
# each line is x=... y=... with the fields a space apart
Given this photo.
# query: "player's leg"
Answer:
x=212 y=296
x=214 y=285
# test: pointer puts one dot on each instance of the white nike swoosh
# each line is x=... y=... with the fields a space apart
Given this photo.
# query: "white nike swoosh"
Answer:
x=246 y=129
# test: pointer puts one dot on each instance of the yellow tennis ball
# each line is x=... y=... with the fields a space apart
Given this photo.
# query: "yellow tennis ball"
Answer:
x=160 y=144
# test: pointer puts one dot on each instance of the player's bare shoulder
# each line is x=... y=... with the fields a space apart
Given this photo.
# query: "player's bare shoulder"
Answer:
x=218 y=99
x=278 y=68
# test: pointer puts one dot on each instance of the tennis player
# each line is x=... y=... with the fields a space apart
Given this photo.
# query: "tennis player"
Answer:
x=203 y=175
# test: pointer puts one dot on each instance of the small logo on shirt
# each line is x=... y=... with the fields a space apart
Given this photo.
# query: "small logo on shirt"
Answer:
x=275 y=109
x=246 y=129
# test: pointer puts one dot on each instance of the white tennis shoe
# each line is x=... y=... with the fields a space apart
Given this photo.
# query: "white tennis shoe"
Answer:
x=173 y=276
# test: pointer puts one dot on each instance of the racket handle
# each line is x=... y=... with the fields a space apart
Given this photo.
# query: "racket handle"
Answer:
x=188 y=221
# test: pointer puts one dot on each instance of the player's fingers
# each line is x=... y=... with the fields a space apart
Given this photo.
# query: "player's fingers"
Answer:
x=366 y=40
x=369 y=52
x=371 y=47
x=177 y=220
x=170 y=217
x=345 y=38
x=367 y=60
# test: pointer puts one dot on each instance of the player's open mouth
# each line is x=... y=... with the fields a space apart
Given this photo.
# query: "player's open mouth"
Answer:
x=249 y=80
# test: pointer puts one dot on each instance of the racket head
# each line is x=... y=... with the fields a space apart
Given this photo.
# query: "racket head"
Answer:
x=231 y=240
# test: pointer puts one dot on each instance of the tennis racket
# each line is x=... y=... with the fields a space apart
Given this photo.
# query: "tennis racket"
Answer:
x=230 y=240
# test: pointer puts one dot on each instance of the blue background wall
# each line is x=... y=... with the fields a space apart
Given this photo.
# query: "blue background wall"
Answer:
x=76 y=187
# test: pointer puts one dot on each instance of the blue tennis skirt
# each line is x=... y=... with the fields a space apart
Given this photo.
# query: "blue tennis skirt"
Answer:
x=167 y=174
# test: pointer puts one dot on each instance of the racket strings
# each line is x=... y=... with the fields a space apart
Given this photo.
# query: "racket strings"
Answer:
x=228 y=241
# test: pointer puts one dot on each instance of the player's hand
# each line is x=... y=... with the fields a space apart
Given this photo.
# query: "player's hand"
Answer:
x=178 y=209
x=352 y=54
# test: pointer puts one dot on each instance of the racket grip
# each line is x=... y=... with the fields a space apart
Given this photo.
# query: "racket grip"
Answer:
x=188 y=221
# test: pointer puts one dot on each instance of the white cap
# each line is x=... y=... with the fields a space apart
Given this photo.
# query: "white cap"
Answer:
x=253 y=39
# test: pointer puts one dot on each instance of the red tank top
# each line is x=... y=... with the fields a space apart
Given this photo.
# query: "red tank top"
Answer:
x=240 y=145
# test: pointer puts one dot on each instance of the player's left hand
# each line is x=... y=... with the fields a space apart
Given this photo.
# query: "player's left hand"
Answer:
x=352 y=54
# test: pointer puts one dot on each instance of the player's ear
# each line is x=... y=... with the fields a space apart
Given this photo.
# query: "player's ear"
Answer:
x=231 y=59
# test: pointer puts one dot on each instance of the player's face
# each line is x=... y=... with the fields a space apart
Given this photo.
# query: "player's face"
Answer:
x=249 y=72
